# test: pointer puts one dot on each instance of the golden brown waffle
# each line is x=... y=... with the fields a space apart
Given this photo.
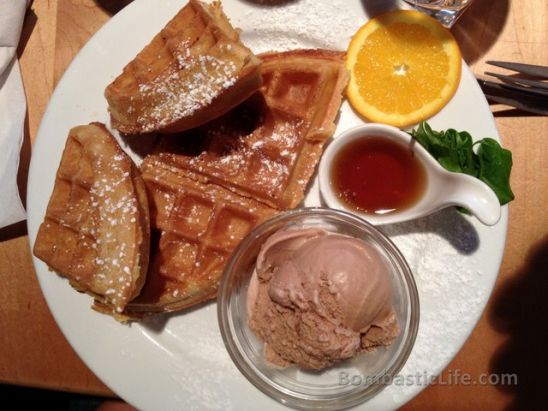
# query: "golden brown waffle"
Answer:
x=268 y=147
x=196 y=228
x=96 y=231
x=209 y=188
x=193 y=71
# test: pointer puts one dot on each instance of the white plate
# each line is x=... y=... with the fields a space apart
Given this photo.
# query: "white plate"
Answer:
x=182 y=363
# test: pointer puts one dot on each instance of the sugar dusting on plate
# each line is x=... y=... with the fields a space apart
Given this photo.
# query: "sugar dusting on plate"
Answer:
x=439 y=250
x=207 y=361
x=297 y=24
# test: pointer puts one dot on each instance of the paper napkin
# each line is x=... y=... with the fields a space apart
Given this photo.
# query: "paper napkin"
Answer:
x=12 y=110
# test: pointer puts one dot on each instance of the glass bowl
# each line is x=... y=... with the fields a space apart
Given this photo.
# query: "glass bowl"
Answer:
x=347 y=383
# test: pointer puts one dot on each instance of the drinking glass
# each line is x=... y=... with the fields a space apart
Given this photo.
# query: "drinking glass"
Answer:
x=445 y=11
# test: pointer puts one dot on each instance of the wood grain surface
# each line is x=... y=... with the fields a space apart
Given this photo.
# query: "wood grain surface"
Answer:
x=33 y=352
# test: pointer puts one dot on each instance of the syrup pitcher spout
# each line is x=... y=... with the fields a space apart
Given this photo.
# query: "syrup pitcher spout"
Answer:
x=470 y=193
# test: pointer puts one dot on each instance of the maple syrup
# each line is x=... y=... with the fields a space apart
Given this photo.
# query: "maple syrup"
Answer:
x=377 y=176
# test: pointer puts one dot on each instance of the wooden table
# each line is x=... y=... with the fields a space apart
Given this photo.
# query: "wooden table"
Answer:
x=33 y=352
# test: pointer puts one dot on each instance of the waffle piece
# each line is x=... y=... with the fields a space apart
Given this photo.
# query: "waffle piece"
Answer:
x=193 y=71
x=268 y=147
x=209 y=189
x=196 y=228
x=96 y=231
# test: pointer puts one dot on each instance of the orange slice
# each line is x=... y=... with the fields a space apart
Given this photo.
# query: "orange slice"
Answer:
x=404 y=67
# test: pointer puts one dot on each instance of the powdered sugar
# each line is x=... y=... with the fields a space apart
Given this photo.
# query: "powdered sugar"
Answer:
x=208 y=362
x=297 y=24
x=438 y=249
x=114 y=206
x=197 y=82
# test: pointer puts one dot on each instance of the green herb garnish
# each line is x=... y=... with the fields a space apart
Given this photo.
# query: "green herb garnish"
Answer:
x=454 y=150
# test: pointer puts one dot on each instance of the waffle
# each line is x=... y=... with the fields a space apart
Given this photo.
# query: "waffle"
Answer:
x=193 y=71
x=195 y=229
x=96 y=230
x=209 y=188
x=268 y=147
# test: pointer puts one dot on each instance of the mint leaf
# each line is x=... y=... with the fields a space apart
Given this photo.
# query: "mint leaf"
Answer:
x=495 y=164
x=454 y=150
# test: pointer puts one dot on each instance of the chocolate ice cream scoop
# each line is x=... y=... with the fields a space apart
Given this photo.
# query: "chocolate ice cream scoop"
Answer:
x=317 y=297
